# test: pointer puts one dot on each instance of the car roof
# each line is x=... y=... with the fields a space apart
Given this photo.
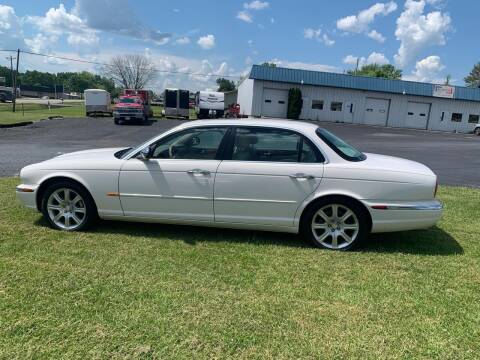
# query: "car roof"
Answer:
x=275 y=123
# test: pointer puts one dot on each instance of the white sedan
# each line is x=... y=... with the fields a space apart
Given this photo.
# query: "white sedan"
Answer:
x=274 y=175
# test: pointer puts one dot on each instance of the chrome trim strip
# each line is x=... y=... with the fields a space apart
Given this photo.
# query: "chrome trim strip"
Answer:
x=153 y=196
x=434 y=206
x=257 y=200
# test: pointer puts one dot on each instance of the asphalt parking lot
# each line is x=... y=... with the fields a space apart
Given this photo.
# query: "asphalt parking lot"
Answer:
x=455 y=158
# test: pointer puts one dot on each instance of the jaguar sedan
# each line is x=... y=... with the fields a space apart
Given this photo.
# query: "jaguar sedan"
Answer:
x=274 y=175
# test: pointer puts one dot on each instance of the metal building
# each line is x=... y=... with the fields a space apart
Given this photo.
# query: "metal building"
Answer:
x=360 y=100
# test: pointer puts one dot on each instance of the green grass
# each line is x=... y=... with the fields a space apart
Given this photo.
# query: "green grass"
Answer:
x=35 y=112
x=154 y=291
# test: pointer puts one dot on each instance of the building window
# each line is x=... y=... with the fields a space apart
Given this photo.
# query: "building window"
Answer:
x=457 y=117
x=336 y=106
x=268 y=101
x=317 y=104
x=473 y=119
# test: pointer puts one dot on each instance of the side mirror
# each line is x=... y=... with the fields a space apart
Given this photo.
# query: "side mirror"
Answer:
x=145 y=154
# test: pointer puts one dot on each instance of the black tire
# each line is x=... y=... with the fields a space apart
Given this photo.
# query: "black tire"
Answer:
x=90 y=215
x=477 y=131
x=116 y=121
x=362 y=222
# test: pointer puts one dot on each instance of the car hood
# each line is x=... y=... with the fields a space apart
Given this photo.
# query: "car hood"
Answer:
x=395 y=164
x=94 y=154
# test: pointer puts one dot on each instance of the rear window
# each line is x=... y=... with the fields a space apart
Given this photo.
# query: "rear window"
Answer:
x=345 y=150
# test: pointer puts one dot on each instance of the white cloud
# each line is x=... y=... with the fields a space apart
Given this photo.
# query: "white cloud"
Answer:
x=375 y=35
x=117 y=17
x=319 y=35
x=183 y=40
x=58 y=22
x=373 y=58
x=11 y=35
x=360 y=23
x=206 y=42
x=416 y=31
x=256 y=5
x=245 y=16
x=272 y=21
x=427 y=70
x=304 y=66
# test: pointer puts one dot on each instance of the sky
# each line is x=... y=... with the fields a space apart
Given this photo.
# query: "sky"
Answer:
x=427 y=39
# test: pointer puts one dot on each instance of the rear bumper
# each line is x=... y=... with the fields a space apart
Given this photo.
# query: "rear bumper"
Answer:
x=27 y=195
x=403 y=216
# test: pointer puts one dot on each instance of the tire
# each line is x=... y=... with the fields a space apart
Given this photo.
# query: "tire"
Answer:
x=77 y=213
x=477 y=131
x=331 y=232
x=116 y=121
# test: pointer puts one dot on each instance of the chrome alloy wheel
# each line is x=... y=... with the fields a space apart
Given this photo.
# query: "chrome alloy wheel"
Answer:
x=335 y=226
x=66 y=208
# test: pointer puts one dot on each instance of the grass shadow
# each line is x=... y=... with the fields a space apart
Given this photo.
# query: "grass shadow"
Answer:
x=434 y=241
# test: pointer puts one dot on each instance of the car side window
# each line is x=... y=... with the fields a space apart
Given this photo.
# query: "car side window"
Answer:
x=273 y=145
x=198 y=143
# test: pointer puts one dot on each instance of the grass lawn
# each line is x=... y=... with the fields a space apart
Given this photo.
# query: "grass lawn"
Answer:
x=35 y=112
x=155 y=291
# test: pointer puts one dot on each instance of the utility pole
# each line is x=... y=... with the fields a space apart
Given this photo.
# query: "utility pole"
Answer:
x=11 y=58
x=15 y=82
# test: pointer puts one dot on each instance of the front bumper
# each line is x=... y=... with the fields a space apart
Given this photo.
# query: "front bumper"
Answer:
x=403 y=216
x=27 y=194
x=128 y=116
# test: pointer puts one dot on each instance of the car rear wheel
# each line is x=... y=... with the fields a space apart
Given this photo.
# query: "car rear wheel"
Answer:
x=69 y=207
x=477 y=131
x=336 y=224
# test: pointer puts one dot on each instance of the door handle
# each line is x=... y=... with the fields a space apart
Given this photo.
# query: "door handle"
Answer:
x=302 y=176
x=198 y=172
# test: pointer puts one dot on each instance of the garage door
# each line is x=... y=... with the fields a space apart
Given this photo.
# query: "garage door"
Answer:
x=274 y=103
x=417 y=115
x=376 y=111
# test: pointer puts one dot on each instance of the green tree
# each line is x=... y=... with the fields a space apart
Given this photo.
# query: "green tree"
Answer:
x=295 y=103
x=473 y=79
x=381 y=71
x=7 y=74
x=225 y=85
x=269 y=64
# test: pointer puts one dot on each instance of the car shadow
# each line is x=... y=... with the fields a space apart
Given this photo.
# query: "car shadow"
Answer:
x=434 y=241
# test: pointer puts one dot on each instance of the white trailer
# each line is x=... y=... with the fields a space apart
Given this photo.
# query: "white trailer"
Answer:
x=97 y=101
x=209 y=104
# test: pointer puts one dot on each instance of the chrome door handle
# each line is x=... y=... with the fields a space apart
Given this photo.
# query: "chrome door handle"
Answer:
x=302 y=176
x=198 y=172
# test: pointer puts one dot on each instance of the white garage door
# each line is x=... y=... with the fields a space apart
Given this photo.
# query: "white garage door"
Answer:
x=376 y=111
x=274 y=103
x=417 y=115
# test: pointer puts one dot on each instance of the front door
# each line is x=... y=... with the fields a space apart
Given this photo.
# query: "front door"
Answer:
x=177 y=182
x=269 y=174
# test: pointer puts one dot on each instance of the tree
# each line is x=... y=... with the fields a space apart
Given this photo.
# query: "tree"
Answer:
x=130 y=71
x=225 y=85
x=295 y=103
x=269 y=64
x=448 y=79
x=381 y=71
x=473 y=79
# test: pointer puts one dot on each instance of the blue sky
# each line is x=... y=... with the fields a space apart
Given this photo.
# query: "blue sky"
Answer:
x=428 y=39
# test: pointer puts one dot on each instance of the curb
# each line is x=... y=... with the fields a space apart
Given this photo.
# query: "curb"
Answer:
x=24 y=123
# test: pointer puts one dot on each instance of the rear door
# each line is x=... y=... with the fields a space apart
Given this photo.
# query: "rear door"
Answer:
x=268 y=174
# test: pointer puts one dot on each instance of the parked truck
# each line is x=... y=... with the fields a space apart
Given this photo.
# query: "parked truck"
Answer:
x=209 y=104
x=6 y=94
x=133 y=105
x=97 y=101
x=176 y=103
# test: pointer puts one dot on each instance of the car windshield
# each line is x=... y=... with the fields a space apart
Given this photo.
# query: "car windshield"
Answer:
x=346 y=151
x=129 y=100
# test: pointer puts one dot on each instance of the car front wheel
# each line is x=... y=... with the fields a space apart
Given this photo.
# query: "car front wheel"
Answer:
x=336 y=224
x=477 y=131
x=67 y=206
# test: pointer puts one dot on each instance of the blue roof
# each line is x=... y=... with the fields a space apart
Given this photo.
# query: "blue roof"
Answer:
x=307 y=77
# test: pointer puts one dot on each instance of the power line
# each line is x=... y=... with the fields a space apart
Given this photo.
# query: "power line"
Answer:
x=109 y=65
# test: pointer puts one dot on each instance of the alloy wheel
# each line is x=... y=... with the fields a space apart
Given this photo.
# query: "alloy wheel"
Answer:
x=335 y=226
x=66 y=209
